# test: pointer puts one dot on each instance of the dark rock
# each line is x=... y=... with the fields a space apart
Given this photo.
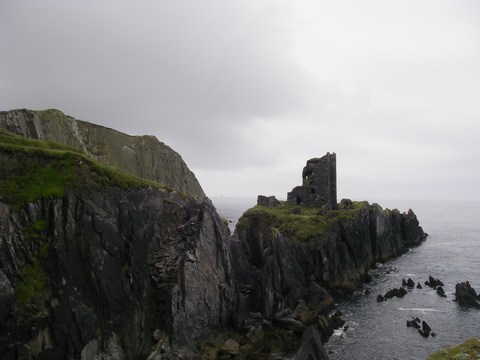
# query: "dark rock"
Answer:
x=400 y=292
x=268 y=201
x=410 y=283
x=423 y=333
x=415 y=323
x=289 y=323
x=367 y=292
x=466 y=295
x=419 y=286
x=319 y=188
x=346 y=204
x=433 y=283
x=380 y=298
x=426 y=328
x=404 y=283
x=441 y=292
x=311 y=346
x=112 y=261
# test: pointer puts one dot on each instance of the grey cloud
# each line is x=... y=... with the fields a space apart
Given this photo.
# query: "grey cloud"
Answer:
x=248 y=90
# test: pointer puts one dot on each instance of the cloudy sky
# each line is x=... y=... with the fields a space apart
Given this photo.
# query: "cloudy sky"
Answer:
x=246 y=91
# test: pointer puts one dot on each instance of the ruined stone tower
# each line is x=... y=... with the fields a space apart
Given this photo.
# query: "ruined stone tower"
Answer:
x=319 y=186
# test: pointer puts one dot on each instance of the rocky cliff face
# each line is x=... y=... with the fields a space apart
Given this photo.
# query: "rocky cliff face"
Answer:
x=98 y=264
x=142 y=156
x=295 y=255
x=97 y=267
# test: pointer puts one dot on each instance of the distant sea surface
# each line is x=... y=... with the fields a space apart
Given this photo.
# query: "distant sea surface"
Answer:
x=451 y=253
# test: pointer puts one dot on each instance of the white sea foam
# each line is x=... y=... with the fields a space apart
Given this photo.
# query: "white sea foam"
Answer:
x=419 y=309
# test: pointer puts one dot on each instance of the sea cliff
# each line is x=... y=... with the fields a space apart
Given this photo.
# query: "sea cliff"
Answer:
x=97 y=263
x=142 y=156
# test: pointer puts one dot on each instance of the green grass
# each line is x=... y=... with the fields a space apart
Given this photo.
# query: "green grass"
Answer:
x=31 y=291
x=310 y=224
x=34 y=169
x=470 y=349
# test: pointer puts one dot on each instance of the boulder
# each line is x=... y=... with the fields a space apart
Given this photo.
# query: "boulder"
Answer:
x=466 y=295
x=230 y=347
x=268 y=201
x=380 y=298
x=410 y=283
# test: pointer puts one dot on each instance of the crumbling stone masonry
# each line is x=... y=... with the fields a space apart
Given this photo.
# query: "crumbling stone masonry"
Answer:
x=319 y=188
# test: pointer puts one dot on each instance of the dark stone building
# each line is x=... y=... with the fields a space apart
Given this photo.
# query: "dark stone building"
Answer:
x=319 y=186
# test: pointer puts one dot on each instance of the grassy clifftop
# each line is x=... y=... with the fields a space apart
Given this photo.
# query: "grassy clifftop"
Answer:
x=34 y=169
x=470 y=349
x=141 y=156
x=300 y=222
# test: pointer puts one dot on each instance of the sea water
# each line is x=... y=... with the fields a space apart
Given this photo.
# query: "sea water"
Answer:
x=451 y=253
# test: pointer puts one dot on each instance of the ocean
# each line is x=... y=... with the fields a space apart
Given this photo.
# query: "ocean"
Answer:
x=451 y=253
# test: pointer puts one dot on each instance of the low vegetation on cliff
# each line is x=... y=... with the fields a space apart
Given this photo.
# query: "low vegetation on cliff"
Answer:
x=470 y=349
x=35 y=169
x=302 y=223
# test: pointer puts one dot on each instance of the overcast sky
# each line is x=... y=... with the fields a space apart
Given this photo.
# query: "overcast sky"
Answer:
x=247 y=91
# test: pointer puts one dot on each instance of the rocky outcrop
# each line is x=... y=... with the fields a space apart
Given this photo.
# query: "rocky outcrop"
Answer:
x=142 y=156
x=278 y=265
x=466 y=295
x=335 y=249
x=98 y=264
x=106 y=271
x=110 y=269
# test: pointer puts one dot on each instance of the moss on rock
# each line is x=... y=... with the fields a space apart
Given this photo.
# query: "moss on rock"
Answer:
x=469 y=349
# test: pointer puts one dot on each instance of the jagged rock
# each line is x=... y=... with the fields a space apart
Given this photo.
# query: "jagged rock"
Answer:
x=311 y=346
x=96 y=255
x=410 y=283
x=230 y=347
x=441 y=292
x=415 y=323
x=404 y=283
x=425 y=331
x=268 y=201
x=419 y=286
x=433 y=283
x=466 y=295
x=380 y=298
x=400 y=292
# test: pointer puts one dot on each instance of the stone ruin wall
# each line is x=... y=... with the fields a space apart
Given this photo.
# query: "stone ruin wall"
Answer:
x=319 y=187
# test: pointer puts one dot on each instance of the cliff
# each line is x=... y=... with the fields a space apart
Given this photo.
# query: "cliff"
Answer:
x=96 y=263
x=142 y=156
x=289 y=259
